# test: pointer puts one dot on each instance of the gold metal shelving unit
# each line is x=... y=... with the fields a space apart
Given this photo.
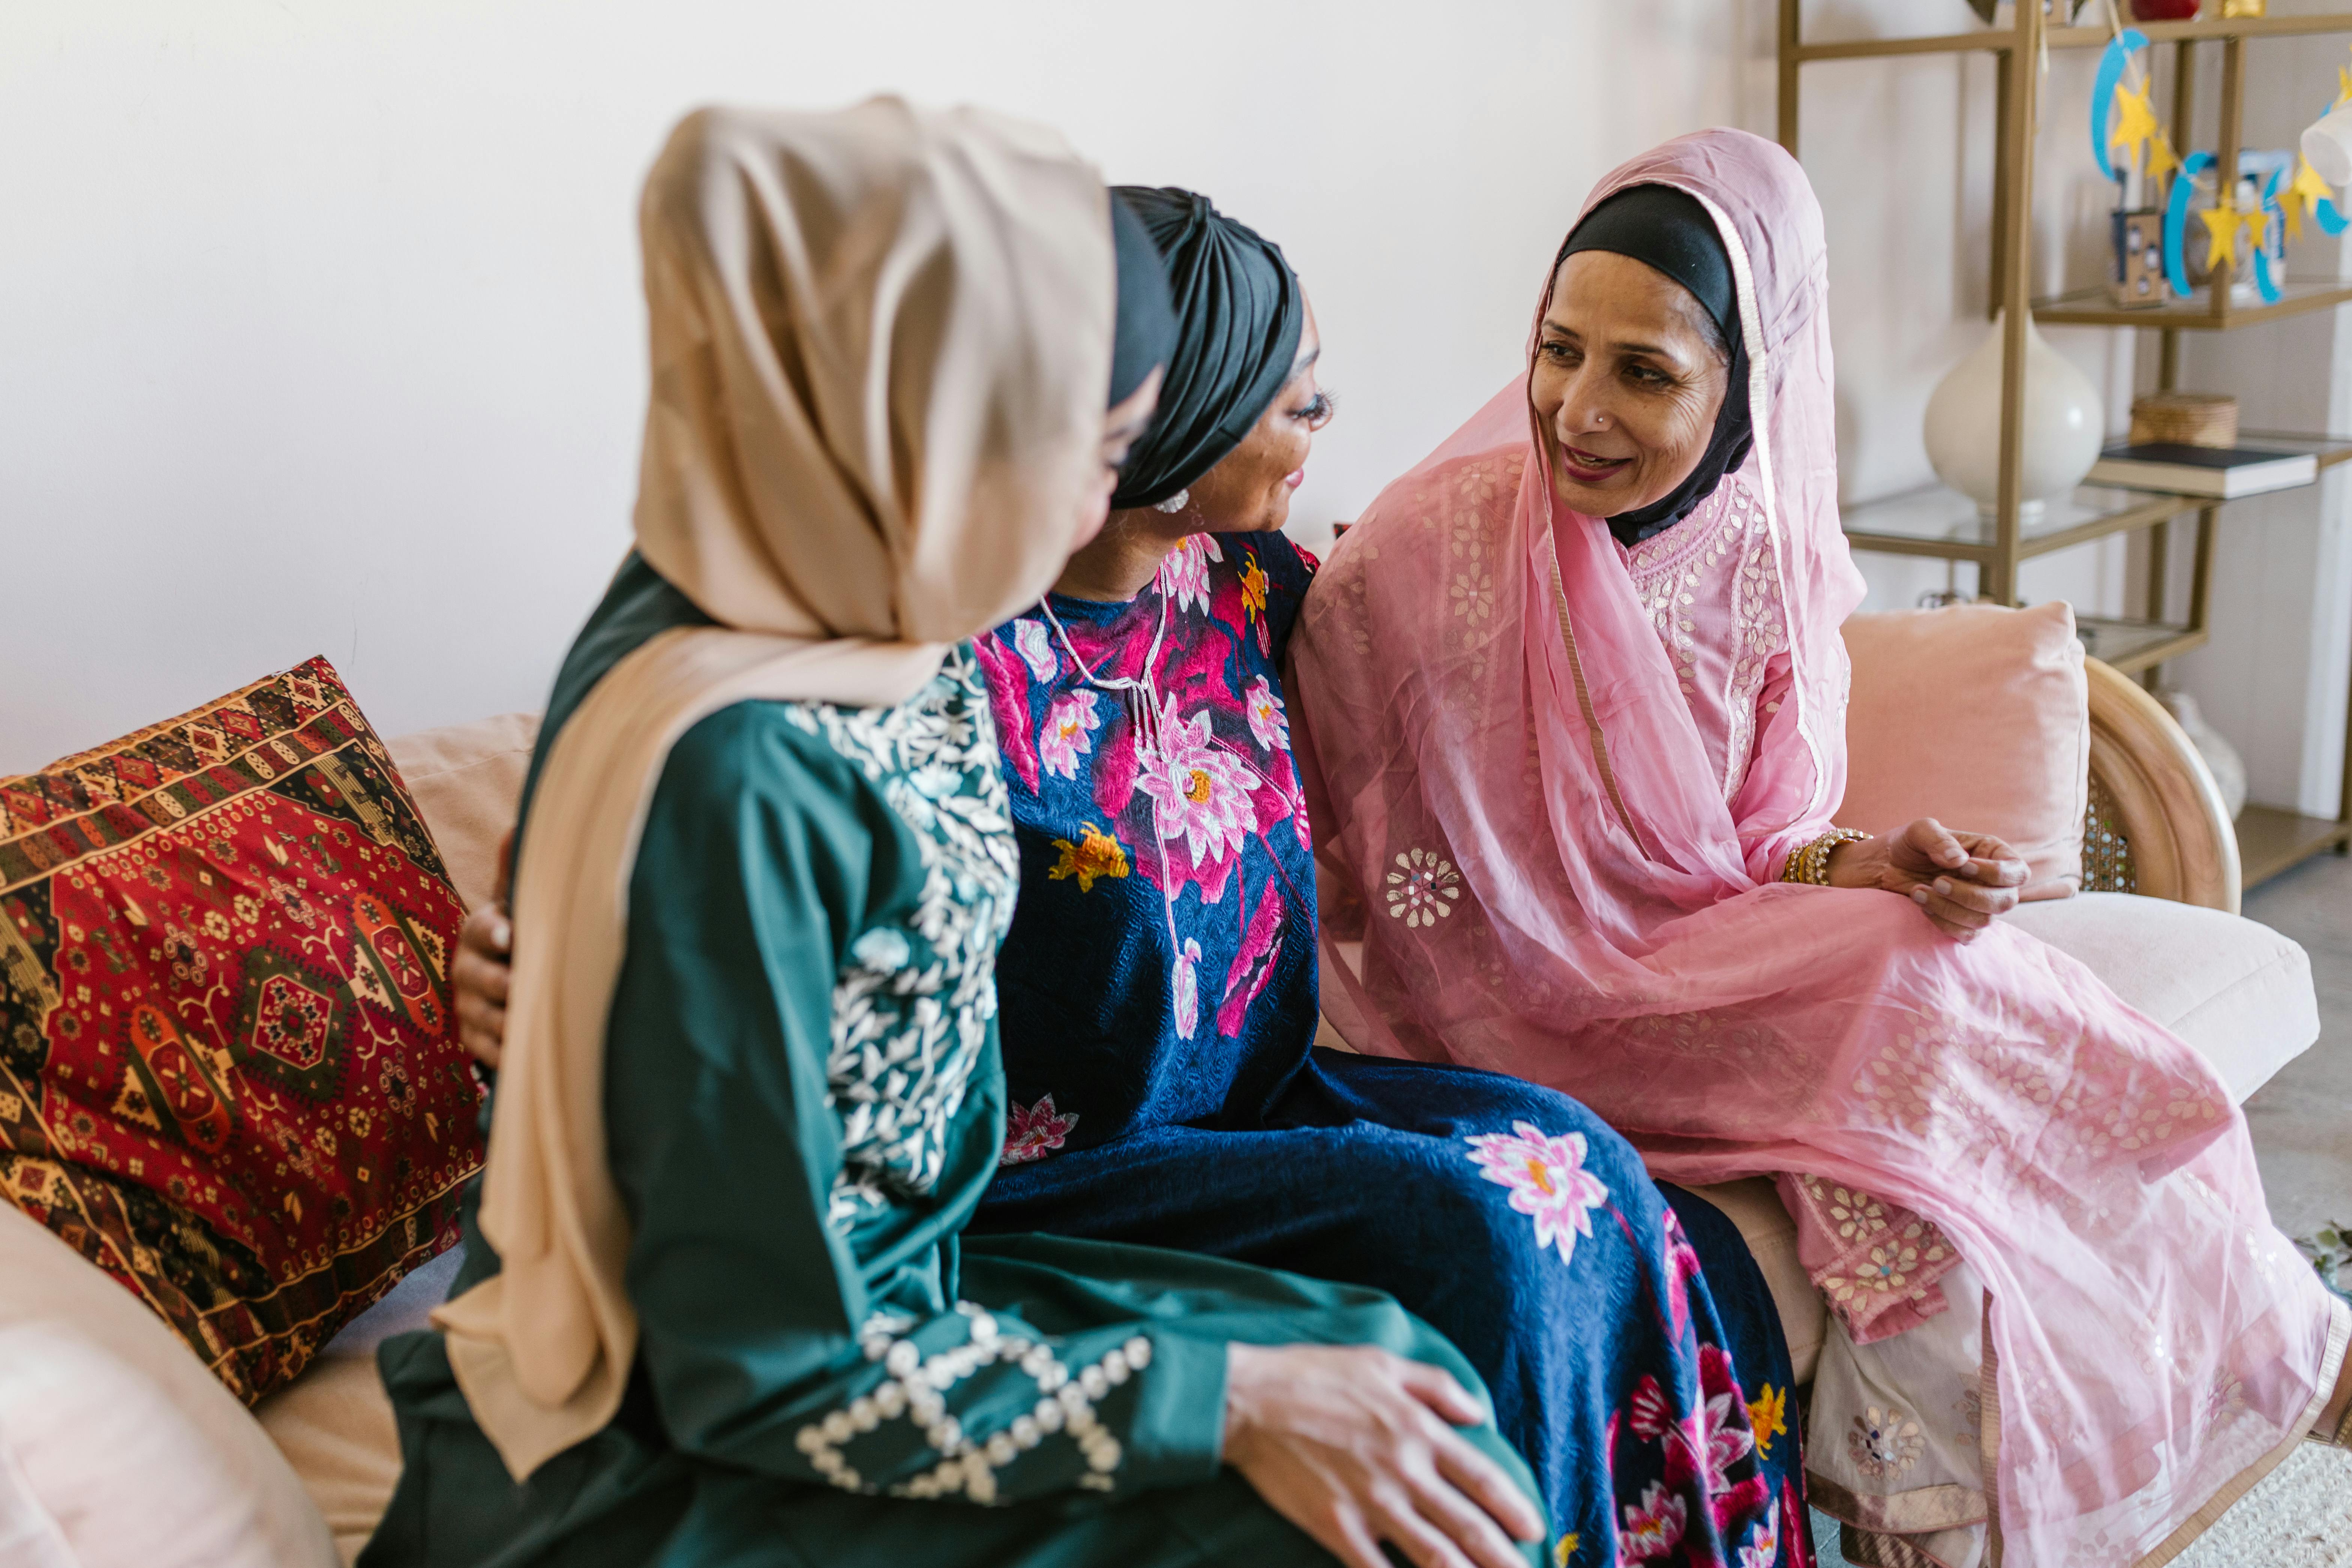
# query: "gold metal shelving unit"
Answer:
x=1942 y=524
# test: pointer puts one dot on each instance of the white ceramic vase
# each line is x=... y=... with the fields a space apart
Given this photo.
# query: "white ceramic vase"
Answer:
x=2222 y=759
x=2064 y=423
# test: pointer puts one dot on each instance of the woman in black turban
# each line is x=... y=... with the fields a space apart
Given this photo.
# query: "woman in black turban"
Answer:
x=1238 y=407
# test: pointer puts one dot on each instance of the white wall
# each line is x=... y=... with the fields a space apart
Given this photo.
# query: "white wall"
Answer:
x=318 y=321
x=320 y=329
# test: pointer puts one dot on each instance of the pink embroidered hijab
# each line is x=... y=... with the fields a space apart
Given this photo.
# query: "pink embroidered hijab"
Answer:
x=1516 y=815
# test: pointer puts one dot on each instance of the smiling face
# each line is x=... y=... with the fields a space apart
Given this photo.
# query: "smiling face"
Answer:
x=1628 y=380
x=1250 y=489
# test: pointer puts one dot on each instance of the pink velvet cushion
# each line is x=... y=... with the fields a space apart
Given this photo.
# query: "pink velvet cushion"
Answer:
x=1978 y=716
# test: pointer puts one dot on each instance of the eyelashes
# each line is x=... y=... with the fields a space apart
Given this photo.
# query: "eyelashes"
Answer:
x=1316 y=410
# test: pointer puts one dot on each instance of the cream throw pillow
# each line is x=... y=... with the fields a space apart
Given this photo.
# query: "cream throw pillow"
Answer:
x=1979 y=716
x=468 y=780
x=118 y=1449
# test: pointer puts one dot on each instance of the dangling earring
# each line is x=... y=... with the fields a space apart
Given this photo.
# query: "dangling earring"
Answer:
x=1174 y=503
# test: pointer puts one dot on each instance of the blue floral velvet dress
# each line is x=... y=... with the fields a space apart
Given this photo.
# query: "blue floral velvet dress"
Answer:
x=1158 y=997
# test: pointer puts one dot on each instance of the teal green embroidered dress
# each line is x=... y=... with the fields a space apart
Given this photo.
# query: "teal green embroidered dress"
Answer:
x=804 y=1102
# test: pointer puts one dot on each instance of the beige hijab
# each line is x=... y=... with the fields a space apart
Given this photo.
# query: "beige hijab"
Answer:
x=881 y=341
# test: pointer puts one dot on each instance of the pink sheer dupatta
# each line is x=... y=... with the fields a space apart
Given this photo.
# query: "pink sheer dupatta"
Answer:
x=1516 y=804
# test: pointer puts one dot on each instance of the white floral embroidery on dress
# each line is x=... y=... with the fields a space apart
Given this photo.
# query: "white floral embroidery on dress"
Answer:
x=1884 y=1443
x=1717 y=566
x=911 y=1389
x=911 y=1007
x=1423 y=888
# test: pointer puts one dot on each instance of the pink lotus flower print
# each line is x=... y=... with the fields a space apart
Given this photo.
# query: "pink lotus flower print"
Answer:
x=1763 y=1550
x=1184 y=575
x=1188 y=990
x=1036 y=645
x=1267 y=720
x=1682 y=1268
x=1654 y=1415
x=1034 y=1132
x=1654 y=1528
x=1717 y=1434
x=1547 y=1180
x=1199 y=793
x=1068 y=722
x=1800 y=1554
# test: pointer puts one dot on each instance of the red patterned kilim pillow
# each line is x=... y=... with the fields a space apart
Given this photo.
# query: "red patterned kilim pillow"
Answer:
x=229 y=1072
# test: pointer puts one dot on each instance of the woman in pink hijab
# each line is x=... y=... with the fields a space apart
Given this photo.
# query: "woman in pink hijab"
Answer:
x=1576 y=694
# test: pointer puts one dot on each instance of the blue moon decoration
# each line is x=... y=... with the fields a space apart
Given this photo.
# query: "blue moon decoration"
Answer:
x=2176 y=219
x=2117 y=55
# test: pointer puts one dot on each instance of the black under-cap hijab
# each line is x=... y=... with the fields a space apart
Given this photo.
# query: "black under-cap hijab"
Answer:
x=1239 y=314
x=1145 y=331
x=1670 y=230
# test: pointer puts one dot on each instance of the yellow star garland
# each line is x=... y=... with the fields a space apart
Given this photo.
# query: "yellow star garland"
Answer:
x=2343 y=86
x=2161 y=160
x=2221 y=235
x=2135 y=121
x=2257 y=224
x=2311 y=189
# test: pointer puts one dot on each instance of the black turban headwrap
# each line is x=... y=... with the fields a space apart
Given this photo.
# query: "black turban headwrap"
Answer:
x=1145 y=332
x=1670 y=231
x=1239 y=313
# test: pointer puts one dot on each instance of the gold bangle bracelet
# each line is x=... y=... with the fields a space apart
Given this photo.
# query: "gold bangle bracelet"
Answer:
x=1811 y=863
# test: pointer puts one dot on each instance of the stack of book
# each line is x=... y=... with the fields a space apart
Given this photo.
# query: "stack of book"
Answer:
x=2224 y=473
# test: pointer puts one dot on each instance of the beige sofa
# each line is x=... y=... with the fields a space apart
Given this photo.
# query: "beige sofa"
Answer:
x=2176 y=950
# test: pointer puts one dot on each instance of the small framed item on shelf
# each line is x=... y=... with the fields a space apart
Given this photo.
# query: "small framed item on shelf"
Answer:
x=2137 y=281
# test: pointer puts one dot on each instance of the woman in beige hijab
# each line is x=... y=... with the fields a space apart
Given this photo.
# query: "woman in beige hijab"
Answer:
x=716 y=1308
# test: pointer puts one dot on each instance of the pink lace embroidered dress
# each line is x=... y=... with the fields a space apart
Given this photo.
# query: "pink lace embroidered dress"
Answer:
x=1615 y=755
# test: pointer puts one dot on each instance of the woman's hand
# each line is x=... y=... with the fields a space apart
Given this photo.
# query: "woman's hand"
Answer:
x=485 y=955
x=1357 y=1447
x=1959 y=880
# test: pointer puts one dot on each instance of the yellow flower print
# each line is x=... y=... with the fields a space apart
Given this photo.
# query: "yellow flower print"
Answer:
x=1253 y=588
x=1565 y=1550
x=1095 y=854
x=1770 y=1417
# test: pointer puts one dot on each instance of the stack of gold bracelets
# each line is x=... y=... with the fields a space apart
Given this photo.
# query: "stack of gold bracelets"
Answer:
x=1811 y=863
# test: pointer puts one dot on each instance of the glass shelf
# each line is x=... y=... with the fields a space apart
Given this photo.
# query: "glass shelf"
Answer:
x=2090 y=308
x=2329 y=449
x=2133 y=645
x=1942 y=523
